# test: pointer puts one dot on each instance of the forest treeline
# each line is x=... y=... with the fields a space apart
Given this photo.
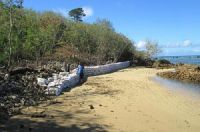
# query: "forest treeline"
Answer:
x=29 y=35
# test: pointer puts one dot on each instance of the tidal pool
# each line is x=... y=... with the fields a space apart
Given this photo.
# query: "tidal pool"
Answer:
x=187 y=89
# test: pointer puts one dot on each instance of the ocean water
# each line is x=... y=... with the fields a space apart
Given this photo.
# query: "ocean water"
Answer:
x=195 y=59
x=187 y=89
x=184 y=88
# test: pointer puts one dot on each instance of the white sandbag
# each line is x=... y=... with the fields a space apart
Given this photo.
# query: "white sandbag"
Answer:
x=50 y=79
x=65 y=80
x=52 y=84
x=51 y=89
x=63 y=74
x=42 y=81
x=55 y=76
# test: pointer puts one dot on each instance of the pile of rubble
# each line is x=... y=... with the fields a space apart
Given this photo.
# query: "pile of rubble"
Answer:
x=19 y=88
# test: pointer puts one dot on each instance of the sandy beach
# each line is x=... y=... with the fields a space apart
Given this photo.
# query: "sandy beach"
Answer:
x=124 y=101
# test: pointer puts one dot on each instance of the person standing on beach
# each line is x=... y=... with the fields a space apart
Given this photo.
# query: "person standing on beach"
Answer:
x=80 y=72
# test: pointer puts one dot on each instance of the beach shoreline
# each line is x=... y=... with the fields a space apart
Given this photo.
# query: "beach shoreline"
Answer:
x=124 y=101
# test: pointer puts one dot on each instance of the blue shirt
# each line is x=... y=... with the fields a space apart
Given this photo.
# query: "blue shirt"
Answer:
x=80 y=69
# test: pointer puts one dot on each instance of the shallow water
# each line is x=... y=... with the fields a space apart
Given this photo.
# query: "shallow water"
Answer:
x=188 y=89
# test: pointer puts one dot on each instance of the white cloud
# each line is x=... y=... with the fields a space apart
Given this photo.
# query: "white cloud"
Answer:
x=62 y=11
x=141 y=44
x=187 y=43
x=180 y=44
x=88 y=11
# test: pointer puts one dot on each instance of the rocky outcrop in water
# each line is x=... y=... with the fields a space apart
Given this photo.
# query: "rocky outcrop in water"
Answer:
x=162 y=64
x=186 y=73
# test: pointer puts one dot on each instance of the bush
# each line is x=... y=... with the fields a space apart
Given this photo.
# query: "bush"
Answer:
x=162 y=63
x=38 y=35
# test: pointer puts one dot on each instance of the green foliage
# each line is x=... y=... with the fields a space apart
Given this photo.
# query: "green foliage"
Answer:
x=77 y=14
x=36 y=35
x=152 y=48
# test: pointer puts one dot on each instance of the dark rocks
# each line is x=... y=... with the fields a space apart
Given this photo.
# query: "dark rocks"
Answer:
x=21 y=126
x=19 y=89
x=91 y=106
x=186 y=73
x=30 y=102
x=162 y=64
x=21 y=70
x=4 y=115
x=143 y=62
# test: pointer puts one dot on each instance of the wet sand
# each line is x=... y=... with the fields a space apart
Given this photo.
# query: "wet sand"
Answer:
x=124 y=101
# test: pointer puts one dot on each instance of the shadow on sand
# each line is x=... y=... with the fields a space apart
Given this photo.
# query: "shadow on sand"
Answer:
x=76 y=120
x=59 y=120
x=62 y=122
x=26 y=125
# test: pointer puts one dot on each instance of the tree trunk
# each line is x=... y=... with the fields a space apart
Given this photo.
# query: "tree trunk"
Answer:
x=10 y=33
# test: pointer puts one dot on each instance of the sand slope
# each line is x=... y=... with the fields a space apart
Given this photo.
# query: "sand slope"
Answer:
x=125 y=101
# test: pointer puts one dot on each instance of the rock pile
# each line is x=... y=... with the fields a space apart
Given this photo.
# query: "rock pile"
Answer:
x=19 y=88
x=186 y=73
x=162 y=64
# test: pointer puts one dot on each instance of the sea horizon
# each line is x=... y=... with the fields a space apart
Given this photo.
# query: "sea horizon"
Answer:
x=175 y=55
x=186 y=59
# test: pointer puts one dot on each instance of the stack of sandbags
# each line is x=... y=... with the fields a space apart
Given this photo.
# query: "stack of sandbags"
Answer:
x=58 y=82
x=102 y=69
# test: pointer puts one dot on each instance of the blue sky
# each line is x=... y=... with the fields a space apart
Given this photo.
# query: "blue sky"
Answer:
x=174 y=24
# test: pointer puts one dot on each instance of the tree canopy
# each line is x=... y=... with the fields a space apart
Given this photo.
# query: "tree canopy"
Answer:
x=29 y=35
x=152 y=48
x=77 y=14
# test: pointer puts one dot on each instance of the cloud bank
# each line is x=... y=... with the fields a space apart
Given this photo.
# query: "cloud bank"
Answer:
x=141 y=44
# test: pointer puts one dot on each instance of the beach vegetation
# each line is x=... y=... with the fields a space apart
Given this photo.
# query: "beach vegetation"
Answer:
x=31 y=35
x=152 y=49
x=37 y=36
